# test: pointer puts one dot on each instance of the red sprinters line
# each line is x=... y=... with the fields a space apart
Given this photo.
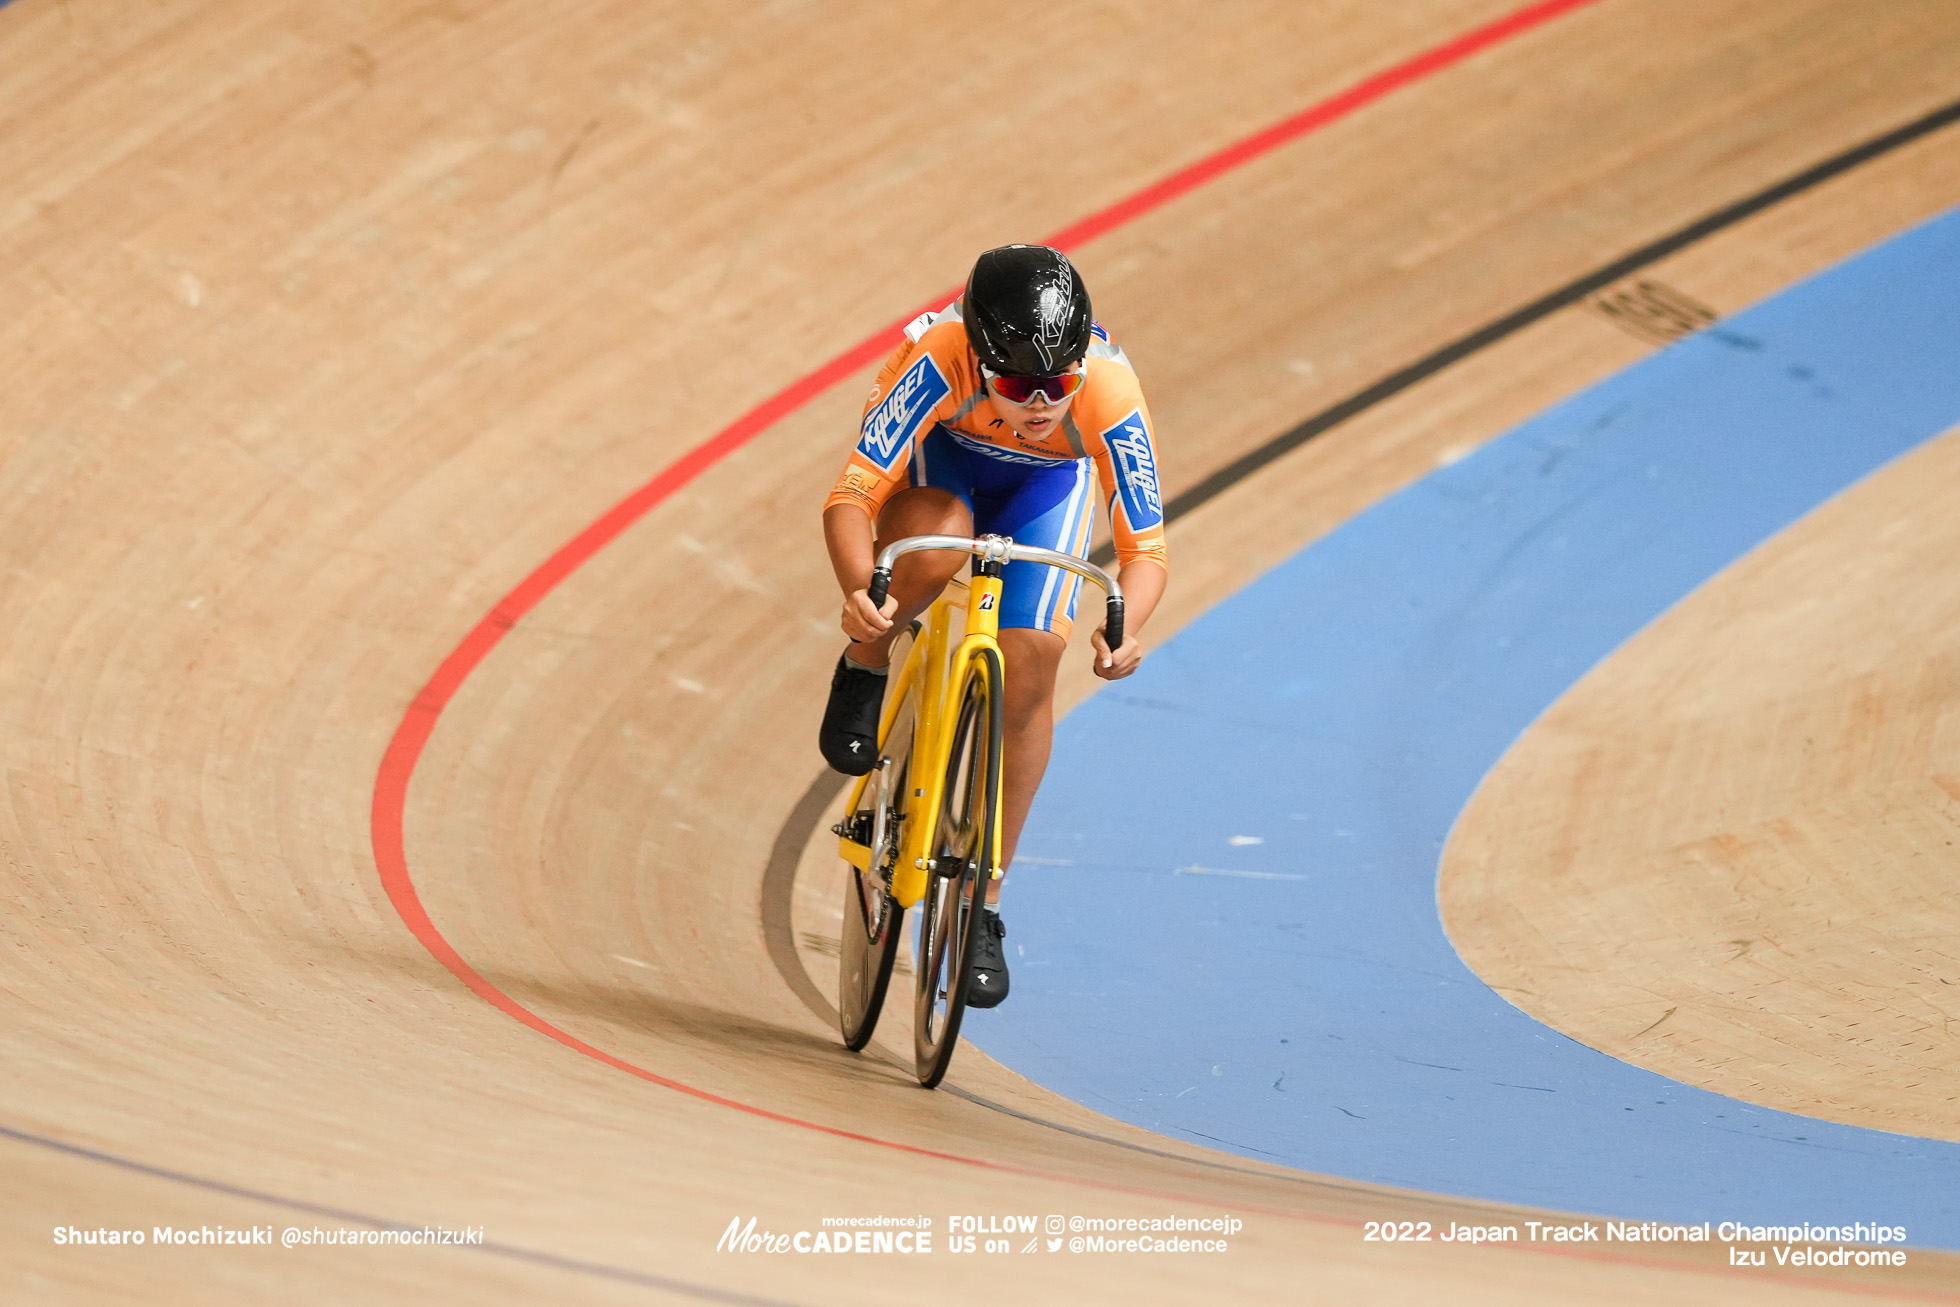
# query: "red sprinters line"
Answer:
x=405 y=749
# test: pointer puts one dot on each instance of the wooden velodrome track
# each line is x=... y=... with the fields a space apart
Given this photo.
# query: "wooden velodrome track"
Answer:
x=327 y=324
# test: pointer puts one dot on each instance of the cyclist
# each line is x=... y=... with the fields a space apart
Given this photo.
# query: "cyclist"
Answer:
x=986 y=420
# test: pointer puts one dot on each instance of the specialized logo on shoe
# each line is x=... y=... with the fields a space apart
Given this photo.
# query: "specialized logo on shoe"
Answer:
x=1136 y=471
x=857 y=746
x=887 y=426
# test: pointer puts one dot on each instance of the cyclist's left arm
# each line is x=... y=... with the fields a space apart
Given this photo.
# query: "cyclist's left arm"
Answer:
x=1120 y=441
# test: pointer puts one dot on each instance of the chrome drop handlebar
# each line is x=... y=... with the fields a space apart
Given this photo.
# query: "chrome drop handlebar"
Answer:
x=1000 y=549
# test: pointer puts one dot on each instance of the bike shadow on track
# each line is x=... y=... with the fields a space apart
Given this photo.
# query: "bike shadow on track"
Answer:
x=698 y=1027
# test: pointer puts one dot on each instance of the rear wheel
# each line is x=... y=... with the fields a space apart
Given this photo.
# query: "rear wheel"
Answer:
x=964 y=851
x=868 y=945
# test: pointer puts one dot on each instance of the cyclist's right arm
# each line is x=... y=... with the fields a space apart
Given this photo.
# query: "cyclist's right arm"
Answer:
x=847 y=535
x=913 y=391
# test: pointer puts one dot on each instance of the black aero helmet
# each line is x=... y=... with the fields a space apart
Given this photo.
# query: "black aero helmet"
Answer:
x=1026 y=311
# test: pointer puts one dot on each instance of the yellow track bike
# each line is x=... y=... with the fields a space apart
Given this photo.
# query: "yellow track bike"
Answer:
x=924 y=823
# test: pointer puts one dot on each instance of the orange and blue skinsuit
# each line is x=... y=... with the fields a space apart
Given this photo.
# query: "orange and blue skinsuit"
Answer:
x=930 y=421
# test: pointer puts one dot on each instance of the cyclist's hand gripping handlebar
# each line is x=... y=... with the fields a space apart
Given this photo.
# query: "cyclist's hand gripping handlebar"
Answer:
x=1113 y=623
x=1001 y=549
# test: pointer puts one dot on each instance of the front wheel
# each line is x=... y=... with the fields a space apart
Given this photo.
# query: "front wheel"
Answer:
x=965 y=848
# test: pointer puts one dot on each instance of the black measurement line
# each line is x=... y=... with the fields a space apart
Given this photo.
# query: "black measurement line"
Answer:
x=316 y=1211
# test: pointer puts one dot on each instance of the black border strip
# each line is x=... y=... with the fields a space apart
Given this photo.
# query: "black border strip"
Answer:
x=1192 y=497
x=779 y=876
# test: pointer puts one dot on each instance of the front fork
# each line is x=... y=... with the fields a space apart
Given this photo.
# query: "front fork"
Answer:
x=982 y=632
x=942 y=687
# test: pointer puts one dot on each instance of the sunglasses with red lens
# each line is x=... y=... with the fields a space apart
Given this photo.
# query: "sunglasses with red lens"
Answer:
x=1022 y=390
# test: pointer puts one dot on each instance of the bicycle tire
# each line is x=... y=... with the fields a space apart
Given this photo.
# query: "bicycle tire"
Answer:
x=874 y=921
x=965 y=847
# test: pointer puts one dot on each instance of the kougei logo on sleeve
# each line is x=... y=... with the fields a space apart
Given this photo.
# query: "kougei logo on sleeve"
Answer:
x=886 y=427
x=1136 y=471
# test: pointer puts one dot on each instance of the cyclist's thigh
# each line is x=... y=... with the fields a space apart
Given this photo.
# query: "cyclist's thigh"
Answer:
x=939 y=500
x=1053 y=508
x=926 y=511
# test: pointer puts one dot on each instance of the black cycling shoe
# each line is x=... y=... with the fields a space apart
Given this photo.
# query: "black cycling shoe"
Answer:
x=849 y=735
x=986 y=978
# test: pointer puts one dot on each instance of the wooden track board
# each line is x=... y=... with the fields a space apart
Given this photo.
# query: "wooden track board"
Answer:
x=328 y=323
x=1750 y=813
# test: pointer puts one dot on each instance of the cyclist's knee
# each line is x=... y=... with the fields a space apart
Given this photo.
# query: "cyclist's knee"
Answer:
x=920 y=511
x=1032 y=659
x=1031 y=652
x=923 y=574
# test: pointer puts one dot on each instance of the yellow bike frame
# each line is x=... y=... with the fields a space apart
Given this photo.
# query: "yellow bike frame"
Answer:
x=942 y=671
